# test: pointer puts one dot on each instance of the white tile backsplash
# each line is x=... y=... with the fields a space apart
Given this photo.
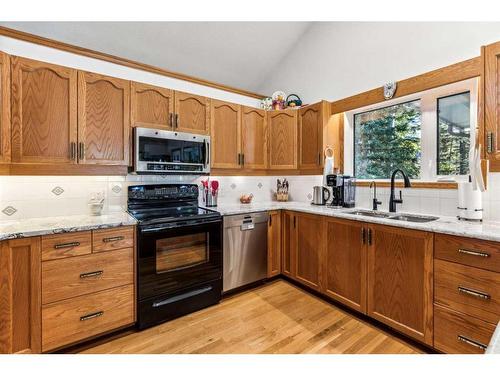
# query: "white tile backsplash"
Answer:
x=32 y=196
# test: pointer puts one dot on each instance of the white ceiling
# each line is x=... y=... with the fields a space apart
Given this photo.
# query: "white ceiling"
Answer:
x=238 y=54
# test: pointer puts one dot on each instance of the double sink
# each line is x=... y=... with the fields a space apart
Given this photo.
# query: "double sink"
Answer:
x=392 y=216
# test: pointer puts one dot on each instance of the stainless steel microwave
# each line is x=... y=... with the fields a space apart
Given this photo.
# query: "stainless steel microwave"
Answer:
x=162 y=151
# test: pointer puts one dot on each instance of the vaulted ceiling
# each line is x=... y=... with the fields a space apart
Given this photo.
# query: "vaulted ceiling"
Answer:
x=238 y=54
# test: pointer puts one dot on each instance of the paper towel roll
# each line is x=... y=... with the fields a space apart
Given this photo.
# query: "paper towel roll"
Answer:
x=470 y=203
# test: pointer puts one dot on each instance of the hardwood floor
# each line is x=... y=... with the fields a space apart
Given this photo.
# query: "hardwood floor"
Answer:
x=275 y=318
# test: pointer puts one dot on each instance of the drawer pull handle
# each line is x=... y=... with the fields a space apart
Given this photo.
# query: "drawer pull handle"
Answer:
x=91 y=316
x=471 y=342
x=473 y=293
x=475 y=253
x=111 y=239
x=91 y=274
x=68 y=244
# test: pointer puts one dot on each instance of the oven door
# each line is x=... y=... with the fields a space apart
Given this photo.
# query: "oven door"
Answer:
x=161 y=151
x=178 y=257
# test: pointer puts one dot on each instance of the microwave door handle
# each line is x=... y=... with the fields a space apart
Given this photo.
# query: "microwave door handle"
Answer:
x=206 y=145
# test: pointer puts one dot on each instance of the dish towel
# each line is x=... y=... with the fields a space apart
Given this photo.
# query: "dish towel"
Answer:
x=328 y=164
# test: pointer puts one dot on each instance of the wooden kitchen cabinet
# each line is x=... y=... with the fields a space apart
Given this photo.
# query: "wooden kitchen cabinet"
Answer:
x=345 y=262
x=282 y=131
x=103 y=119
x=192 y=113
x=274 y=244
x=309 y=249
x=4 y=108
x=311 y=121
x=289 y=240
x=254 y=138
x=44 y=112
x=302 y=245
x=151 y=106
x=20 y=296
x=492 y=104
x=225 y=135
x=400 y=280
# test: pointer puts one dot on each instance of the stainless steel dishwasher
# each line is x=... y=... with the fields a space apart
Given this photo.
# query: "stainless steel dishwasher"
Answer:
x=245 y=249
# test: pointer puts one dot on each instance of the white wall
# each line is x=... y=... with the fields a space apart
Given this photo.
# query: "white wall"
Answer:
x=54 y=56
x=334 y=60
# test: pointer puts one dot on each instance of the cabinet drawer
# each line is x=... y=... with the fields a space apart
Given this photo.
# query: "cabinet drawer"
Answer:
x=112 y=239
x=79 y=318
x=56 y=246
x=71 y=277
x=469 y=290
x=468 y=251
x=458 y=333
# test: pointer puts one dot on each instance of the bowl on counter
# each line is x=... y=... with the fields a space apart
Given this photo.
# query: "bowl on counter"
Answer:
x=246 y=198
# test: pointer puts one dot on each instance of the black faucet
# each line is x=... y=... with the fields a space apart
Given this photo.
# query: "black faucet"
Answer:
x=393 y=201
x=376 y=202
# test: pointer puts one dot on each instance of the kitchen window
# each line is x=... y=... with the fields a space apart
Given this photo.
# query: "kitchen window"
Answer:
x=427 y=134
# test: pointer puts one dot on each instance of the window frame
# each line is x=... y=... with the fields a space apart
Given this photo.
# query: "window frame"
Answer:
x=429 y=129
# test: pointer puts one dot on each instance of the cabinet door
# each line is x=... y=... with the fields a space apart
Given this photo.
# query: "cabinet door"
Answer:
x=103 y=119
x=192 y=113
x=44 y=112
x=344 y=263
x=151 y=106
x=225 y=135
x=289 y=239
x=20 y=293
x=4 y=108
x=274 y=244
x=310 y=136
x=492 y=103
x=309 y=248
x=400 y=280
x=282 y=130
x=254 y=138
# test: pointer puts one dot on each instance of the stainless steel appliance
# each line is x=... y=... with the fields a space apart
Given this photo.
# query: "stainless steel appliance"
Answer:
x=179 y=252
x=162 y=151
x=319 y=195
x=343 y=190
x=245 y=249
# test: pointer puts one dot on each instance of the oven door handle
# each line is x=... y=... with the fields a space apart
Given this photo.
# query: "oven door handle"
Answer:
x=184 y=224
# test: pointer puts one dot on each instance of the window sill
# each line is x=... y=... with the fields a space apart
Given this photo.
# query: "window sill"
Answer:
x=414 y=184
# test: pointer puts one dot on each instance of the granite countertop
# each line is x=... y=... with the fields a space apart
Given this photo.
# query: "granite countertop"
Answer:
x=487 y=230
x=494 y=345
x=61 y=224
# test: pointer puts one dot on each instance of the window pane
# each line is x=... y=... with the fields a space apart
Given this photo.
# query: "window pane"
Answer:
x=453 y=134
x=386 y=139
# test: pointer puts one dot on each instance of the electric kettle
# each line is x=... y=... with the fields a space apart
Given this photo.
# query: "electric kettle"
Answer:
x=319 y=193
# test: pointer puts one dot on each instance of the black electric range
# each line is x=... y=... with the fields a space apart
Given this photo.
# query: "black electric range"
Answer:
x=179 y=252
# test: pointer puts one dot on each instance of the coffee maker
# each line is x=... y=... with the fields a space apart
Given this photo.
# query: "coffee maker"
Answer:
x=343 y=190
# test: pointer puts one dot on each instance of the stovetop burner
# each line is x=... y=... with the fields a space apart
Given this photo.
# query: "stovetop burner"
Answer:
x=153 y=204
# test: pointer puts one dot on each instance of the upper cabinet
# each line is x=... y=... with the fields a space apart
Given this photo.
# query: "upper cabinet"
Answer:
x=254 y=138
x=225 y=135
x=4 y=108
x=151 y=106
x=282 y=139
x=192 y=113
x=311 y=136
x=492 y=103
x=44 y=116
x=103 y=119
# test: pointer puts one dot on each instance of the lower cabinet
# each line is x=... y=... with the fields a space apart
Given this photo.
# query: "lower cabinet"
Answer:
x=274 y=244
x=400 y=280
x=382 y=271
x=61 y=289
x=344 y=263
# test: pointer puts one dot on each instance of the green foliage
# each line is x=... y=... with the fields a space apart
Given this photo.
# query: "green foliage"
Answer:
x=386 y=139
